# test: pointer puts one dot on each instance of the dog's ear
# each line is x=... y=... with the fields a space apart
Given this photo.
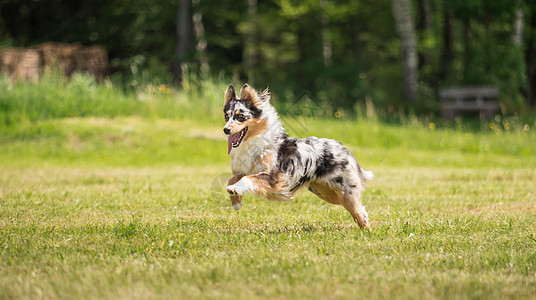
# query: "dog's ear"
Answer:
x=248 y=94
x=230 y=94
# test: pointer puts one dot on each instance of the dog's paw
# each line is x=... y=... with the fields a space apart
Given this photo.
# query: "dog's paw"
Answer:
x=243 y=186
x=237 y=206
x=234 y=190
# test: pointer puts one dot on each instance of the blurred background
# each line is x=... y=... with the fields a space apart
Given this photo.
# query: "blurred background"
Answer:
x=396 y=55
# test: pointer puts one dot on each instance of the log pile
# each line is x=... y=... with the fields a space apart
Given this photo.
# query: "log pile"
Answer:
x=29 y=63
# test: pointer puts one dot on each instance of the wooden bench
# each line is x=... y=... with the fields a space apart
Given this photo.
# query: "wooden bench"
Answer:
x=457 y=100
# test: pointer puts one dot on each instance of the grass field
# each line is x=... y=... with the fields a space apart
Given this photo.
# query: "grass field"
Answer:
x=133 y=207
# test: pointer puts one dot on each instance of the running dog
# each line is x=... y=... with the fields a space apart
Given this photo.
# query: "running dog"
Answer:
x=267 y=162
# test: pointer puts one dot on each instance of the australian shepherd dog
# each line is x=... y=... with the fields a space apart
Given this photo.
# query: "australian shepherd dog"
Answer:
x=267 y=162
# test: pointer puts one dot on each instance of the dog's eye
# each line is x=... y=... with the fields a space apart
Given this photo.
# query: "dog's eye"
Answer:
x=226 y=117
x=240 y=117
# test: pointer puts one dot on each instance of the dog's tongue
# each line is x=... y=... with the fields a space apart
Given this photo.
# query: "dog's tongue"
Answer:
x=230 y=140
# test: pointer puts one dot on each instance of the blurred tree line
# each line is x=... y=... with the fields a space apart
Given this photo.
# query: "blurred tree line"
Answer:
x=396 y=53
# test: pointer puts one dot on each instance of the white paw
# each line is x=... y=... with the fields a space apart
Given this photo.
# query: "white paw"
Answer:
x=243 y=186
x=233 y=190
x=236 y=189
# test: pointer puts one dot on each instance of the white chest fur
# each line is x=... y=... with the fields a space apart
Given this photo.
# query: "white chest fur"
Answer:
x=251 y=156
x=258 y=153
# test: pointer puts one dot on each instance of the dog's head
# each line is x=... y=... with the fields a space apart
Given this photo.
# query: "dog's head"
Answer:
x=243 y=116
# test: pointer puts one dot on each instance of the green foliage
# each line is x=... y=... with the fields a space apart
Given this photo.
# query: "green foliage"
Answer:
x=489 y=56
x=280 y=44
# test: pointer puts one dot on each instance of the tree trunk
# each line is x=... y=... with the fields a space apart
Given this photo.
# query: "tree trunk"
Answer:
x=327 y=50
x=250 y=41
x=425 y=15
x=406 y=33
x=424 y=27
x=518 y=26
x=184 y=33
x=466 y=48
x=201 y=42
x=530 y=59
x=447 y=52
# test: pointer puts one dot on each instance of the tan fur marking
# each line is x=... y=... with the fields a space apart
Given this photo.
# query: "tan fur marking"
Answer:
x=255 y=127
x=264 y=162
x=234 y=179
x=354 y=207
x=236 y=127
x=263 y=187
x=267 y=161
x=326 y=193
x=235 y=198
x=249 y=94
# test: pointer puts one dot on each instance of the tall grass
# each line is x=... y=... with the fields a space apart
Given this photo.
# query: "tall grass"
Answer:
x=27 y=110
x=56 y=97
x=31 y=111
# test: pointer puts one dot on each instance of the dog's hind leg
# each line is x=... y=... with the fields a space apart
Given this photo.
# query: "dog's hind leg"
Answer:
x=353 y=187
x=353 y=205
x=326 y=193
x=351 y=200
x=236 y=199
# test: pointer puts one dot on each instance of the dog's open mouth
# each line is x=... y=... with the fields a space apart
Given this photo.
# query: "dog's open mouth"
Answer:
x=234 y=140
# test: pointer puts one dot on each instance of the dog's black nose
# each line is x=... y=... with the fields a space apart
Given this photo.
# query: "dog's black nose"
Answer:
x=227 y=130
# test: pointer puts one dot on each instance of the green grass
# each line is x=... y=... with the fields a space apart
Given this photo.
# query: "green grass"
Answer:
x=133 y=206
x=54 y=97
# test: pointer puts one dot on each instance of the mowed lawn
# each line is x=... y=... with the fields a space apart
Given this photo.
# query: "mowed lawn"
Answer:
x=135 y=208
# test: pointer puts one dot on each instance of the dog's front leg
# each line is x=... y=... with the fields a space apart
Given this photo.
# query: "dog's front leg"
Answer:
x=261 y=184
x=236 y=199
x=241 y=186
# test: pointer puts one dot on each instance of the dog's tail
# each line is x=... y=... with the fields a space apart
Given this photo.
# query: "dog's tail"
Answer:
x=367 y=175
